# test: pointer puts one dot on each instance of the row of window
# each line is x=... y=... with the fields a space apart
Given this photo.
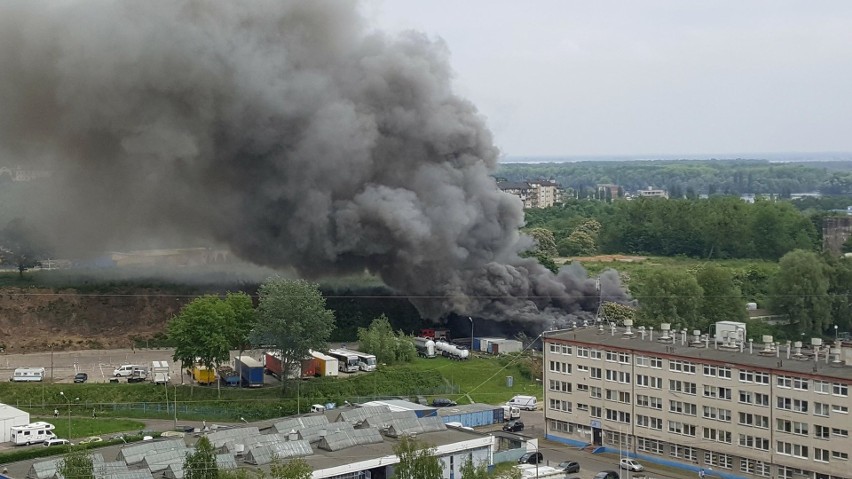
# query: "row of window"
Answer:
x=689 y=367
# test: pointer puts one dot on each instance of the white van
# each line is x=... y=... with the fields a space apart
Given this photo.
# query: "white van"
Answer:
x=126 y=370
x=511 y=412
x=27 y=374
x=528 y=403
x=32 y=433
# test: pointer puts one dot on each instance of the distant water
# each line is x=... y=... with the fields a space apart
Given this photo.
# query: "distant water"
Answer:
x=772 y=157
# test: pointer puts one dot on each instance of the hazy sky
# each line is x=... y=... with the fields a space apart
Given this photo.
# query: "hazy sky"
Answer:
x=560 y=77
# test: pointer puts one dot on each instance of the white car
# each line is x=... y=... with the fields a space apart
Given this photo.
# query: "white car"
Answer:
x=631 y=465
x=126 y=370
x=57 y=442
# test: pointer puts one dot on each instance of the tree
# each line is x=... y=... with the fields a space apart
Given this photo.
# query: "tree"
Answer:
x=722 y=300
x=469 y=470
x=203 y=331
x=244 y=320
x=77 y=464
x=579 y=243
x=388 y=347
x=840 y=291
x=617 y=312
x=292 y=469
x=544 y=240
x=669 y=296
x=292 y=318
x=800 y=290
x=21 y=245
x=201 y=464
x=416 y=460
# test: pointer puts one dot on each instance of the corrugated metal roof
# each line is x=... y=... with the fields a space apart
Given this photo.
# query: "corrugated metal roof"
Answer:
x=348 y=438
x=298 y=423
x=134 y=453
x=261 y=455
x=219 y=438
x=355 y=416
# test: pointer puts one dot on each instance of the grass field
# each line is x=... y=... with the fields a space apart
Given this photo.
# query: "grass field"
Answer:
x=482 y=378
x=85 y=427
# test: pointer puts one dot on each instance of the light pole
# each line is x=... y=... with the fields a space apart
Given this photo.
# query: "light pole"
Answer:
x=67 y=400
x=835 y=334
x=471 y=333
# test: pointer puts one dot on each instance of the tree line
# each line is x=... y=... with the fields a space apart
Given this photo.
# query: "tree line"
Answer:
x=691 y=177
x=715 y=228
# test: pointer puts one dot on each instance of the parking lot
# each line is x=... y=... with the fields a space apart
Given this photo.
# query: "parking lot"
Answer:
x=61 y=366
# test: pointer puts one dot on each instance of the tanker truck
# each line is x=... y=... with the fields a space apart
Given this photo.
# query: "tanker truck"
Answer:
x=425 y=347
x=451 y=350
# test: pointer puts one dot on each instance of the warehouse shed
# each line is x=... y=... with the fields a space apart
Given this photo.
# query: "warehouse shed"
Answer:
x=472 y=415
x=11 y=416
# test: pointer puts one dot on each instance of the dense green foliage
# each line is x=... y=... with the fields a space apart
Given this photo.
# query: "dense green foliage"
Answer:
x=204 y=331
x=291 y=469
x=416 y=460
x=76 y=464
x=293 y=319
x=719 y=227
x=699 y=177
x=381 y=341
x=201 y=464
x=800 y=290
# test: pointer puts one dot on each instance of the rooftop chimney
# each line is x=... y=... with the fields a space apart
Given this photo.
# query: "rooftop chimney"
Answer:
x=612 y=328
x=816 y=343
x=642 y=332
x=665 y=328
x=836 y=357
x=696 y=339
x=768 y=347
x=628 y=325
x=797 y=350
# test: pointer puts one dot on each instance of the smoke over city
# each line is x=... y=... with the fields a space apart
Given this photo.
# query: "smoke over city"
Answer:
x=289 y=131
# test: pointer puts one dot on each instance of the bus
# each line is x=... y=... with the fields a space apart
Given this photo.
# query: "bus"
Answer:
x=347 y=361
x=366 y=362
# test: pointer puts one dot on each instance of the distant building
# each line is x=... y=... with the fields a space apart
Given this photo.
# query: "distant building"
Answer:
x=534 y=194
x=613 y=190
x=653 y=193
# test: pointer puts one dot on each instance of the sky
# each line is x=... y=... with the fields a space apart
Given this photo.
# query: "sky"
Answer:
x=669 y=77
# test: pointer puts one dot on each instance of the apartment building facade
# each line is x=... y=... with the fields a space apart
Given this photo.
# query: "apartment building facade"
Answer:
x=533 y=194
x=743 y=410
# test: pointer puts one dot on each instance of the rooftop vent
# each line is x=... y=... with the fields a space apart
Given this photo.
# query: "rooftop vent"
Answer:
x=612 y=328
x=642 y=332
x=835 y=357
x=729 y=340
x=797 y=350
x=816 y=344
x=628 y=329
x=665 y=338
x=768 y=346
x=696 y=339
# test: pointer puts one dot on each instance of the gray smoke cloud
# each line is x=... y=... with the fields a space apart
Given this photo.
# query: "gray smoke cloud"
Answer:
x=289 y=131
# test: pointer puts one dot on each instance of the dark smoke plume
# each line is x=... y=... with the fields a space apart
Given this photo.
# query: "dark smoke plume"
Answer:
x=289 y=131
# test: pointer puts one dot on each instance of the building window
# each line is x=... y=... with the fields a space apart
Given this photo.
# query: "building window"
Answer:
x=822 y=387
x=840 y=389
x=676 y=427
x=754 y=442
x=717 y=414
x=790 y=449
x=682 y=387
x=595 y=373
x=595 y=412
x=649 y=445
x=649 y=401
x=758 y=468
x=821 y=432
x=595 y=354
x=566 y=349
x=618 y=396
x=821 y=409
x=762 y=399
x=657 y=363
x=839 y=409
x=684 y=452
x=717 y=371
x=792 y=427
x=821 y=455
x=839 y=455
x=682 y=366
x=719 y=460
x=717 y=392
x=618 y=416
x=754 y=420
x=680 y=407
x=840 y=432
x=717 y=435
x=582 y=352
x=595 y=392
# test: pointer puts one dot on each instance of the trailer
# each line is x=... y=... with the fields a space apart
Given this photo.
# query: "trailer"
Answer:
x=326 y=365
x=347 y=361
x=203 y=375
x=228 y=377
x=250 y=370
x=425 y=347
x=27 y=375
x=32 y=433
x=451 y=350
x=159 y=372
x=272 y=364
x=309 y=367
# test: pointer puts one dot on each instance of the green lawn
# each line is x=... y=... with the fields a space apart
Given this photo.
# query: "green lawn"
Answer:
x=483 y=378
x=85 y=427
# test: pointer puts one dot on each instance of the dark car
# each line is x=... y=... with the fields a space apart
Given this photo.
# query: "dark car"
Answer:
x=442 y=402
x=514 y=426
x=569 y=466
x=606 y=475
x=531 y=458
x=81 y=377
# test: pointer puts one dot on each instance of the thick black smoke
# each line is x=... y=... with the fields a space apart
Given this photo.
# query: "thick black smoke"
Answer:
x=287 y=130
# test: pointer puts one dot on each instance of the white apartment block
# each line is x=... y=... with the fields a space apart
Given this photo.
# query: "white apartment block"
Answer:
x=533 y=194
x=742 y=409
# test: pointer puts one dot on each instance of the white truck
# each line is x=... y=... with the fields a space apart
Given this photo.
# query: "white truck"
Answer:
x=527 y=403
x=32 y=433
x=159 y=372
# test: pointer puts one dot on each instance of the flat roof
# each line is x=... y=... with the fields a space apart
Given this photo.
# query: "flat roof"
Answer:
x=399 y=405
x=322 y=459
x=466 y=408
x=777 y=363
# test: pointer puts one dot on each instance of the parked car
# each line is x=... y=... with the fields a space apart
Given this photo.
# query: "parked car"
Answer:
x=531 y=458
x=81 y=377
x=606 y=475
x=442 y=402
x=57 y=442
x=630 y=465
x=569 y=466
x=90 y=440
x=514 y=426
